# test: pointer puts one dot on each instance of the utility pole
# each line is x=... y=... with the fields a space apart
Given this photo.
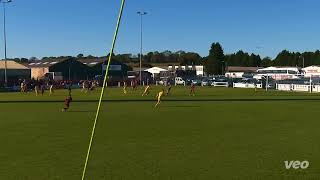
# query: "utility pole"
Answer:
x=141 y=14
x=5 y=41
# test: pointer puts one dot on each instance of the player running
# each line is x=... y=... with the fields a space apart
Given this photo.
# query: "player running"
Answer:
x=125 y=88
x=51 y=91
x=36 y=89
x=169 y=89
x=83 y=86
x=146 y=91
x=159 y=95
x=135 y=85
x=42 y=88
x=192 y=89
x=22 y=87
x=67 y=102
x=69 y=89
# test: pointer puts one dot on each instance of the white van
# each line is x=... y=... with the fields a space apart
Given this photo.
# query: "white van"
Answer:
x=180 y=81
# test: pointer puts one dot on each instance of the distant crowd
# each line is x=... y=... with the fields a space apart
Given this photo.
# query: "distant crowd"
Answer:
x=40 y=86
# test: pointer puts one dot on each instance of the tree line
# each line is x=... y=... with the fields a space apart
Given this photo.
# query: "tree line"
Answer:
x=179 y=57
x=215 y=63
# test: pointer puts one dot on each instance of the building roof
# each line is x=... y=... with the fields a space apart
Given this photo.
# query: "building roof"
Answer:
x=242 y=69
x=311 y=67
x=98 y=61
x=315 y=70
x=92 y=61
x=138 y=69
x=45 y=63
x=12 y=65
x=280 y=68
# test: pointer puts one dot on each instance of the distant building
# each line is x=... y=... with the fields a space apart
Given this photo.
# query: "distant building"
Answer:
x=60 y=69
x=313 y=71
x=99 y=65
x=15 y=71
x=135 y=74
x=199 y=70
x=239 y=71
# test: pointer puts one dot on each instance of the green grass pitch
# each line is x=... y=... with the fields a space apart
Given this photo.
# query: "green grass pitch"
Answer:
x=218 y=134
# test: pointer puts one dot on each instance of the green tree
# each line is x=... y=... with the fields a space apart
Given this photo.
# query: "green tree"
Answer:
x=90 y=57
x=124 y=58
x=214 y=63
x=157 y=57
x=33 y=59
x=190 y=58
x=80 y=56
x=24 y=60
x=148 y=57
x=266 y=62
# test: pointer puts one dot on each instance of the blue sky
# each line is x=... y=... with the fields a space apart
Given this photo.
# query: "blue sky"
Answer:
x=69 y=27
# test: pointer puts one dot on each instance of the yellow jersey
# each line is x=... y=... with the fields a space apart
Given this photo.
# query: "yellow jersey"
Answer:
x=160 y=94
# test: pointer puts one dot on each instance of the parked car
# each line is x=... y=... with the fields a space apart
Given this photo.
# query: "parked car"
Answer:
x=205 y=82
x=188 y=81
x=180 y=81
x=165 y=81
x=196 y=82
x=220 y=81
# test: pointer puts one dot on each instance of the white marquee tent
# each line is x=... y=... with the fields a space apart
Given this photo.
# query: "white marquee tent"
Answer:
x=155 y=70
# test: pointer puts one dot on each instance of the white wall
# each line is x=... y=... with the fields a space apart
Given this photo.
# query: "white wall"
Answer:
x=294 y=87
x=284 y=87
x=246 y=85
x=316 y=88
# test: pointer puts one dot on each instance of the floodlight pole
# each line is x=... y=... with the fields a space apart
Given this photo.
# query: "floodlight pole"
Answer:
x=141 y=14
x=5 y=41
